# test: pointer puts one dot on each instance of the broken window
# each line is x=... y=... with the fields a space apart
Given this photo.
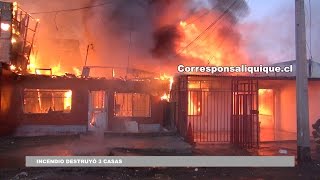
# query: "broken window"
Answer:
x=132 y=105
x=47 y=100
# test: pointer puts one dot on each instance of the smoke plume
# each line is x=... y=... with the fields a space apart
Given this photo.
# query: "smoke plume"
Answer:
x=142 y=33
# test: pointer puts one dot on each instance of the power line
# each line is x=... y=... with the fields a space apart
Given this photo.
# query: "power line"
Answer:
x=72 y=9
x=228 y=30
x=200 y=16
x=228 y=27
x=209 y=27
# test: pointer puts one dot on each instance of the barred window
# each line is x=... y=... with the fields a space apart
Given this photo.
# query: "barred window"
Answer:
x=132 y=105
x=46 y=100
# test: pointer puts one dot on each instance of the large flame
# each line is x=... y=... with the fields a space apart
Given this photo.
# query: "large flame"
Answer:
x=165 y=77
x=194 y=104
x=204 y=50
x=216 y=47
x=56 y=69
x=169 y=78
x=194 y=99
x=265 y=101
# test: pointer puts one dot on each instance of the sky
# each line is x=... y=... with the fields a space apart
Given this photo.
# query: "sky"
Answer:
x=261 y=9
x=272 y=35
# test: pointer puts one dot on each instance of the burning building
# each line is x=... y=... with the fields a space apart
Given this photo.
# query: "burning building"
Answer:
x=215 y=109
x=45 y=101
x=242 y=110
x=18 y=31
x=65 y=105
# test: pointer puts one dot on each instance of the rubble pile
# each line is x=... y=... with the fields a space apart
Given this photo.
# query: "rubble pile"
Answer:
x=316 y=134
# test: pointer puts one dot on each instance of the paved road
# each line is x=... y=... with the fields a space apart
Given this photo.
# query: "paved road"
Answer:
x=13 y=150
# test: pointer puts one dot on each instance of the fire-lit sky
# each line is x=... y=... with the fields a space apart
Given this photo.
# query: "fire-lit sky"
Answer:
x=267 y=32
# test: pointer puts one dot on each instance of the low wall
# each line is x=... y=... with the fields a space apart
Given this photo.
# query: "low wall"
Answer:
x=45 y=130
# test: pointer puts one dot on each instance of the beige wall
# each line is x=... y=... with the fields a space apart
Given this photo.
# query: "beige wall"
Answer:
x=287 y=104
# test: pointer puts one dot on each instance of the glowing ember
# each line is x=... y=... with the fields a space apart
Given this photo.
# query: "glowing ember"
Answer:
x=12 y=67
x=113 y=73
x=15 y=6
x=5 y=26
x=165 y=97
x=93 y=123
x=13 y=40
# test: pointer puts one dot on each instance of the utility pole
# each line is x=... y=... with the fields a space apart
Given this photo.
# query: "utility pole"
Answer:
x=303 y=134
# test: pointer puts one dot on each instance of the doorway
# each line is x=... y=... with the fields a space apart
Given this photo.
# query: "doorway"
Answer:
x=266 y=115
x=97 y=114
x=245 y=120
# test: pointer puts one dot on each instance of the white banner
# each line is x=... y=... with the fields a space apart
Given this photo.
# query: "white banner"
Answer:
x=160 y=161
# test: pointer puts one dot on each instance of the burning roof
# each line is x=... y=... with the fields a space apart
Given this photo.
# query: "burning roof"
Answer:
x=153 y=36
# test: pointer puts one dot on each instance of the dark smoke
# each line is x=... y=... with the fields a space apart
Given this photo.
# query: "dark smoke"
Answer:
x=235 y=9
x=165 y=41
x=151 y=26
x=166 y=37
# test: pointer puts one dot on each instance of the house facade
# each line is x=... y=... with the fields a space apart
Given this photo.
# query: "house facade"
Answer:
x=44 y=105
x=242 y=110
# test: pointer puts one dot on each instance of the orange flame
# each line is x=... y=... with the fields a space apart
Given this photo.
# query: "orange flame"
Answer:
x=5 y=26
x=167 y=77
x=165 y=97
x=213 y=48
x=13 y=67
x=56 y=69
x=76 y=71
x=265 y=96
x=67 y=100
x=194 y=104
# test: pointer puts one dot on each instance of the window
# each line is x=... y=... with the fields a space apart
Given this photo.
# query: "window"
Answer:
x=132 y=105
x=47 y=101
